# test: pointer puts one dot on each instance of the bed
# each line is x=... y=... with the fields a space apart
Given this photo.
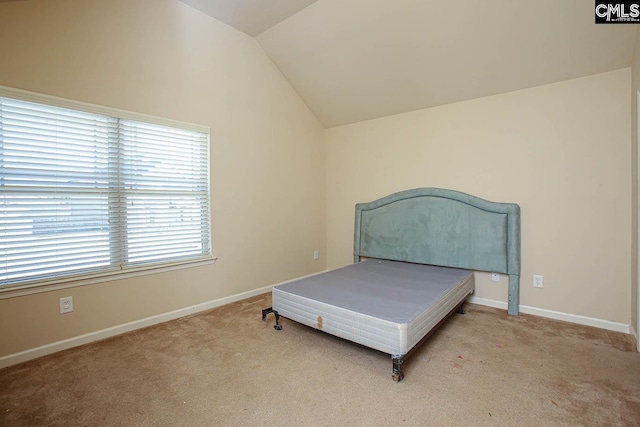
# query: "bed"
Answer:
x=415 y=252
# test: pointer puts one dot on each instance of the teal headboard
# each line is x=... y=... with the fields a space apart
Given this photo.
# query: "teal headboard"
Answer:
x=442 y=227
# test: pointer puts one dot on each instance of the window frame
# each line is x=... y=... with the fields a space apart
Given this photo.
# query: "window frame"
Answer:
x=88 y=278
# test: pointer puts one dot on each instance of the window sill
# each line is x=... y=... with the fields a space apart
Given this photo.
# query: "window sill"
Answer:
x=18 y=291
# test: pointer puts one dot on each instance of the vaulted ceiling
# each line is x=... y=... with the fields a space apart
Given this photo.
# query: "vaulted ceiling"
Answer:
x=354 y=60
x=249 y=16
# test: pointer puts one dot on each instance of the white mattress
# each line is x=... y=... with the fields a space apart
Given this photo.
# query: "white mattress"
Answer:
x=386 y=305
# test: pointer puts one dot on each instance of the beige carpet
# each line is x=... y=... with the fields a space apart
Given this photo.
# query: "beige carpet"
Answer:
x=227 y=367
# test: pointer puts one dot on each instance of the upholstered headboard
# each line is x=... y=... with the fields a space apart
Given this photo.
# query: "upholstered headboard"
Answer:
x=442 y=227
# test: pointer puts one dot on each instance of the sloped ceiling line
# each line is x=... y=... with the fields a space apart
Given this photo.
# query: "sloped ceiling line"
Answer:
x=355 y=60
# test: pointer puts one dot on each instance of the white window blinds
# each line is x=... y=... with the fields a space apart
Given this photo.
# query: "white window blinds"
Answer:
x=84 y=193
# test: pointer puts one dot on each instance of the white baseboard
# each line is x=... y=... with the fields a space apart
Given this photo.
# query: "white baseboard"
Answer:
x=23 y=356
x=557 y=315
x=634 y=334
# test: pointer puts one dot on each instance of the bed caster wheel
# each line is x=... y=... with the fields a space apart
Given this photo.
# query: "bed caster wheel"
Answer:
x=277 y=327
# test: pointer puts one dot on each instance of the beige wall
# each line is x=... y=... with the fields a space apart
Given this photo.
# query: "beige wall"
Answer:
x=163 y=58
x=635 y=88
x=560 y=151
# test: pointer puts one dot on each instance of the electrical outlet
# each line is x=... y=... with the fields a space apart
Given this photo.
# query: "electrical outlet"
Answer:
x=495 y=277
x=537 y=281
x=66 y=305
x=316 y=255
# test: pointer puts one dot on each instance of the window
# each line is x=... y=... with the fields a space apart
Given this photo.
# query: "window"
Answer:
x=84 y=193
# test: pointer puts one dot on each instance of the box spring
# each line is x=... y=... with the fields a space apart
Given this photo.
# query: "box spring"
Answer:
x=385 y=305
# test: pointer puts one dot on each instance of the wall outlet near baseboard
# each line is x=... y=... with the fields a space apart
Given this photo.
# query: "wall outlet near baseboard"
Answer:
x=66 y=305
x=537 y=281
x=316 y=254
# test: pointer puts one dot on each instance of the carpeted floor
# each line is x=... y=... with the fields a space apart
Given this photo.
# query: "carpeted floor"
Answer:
x=226 y=367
